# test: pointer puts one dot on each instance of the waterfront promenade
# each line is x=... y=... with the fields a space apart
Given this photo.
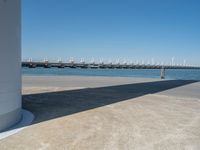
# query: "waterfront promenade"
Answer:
x=110 y=113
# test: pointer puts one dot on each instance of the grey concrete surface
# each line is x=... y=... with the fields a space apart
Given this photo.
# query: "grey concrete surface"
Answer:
x=26 y=120
x=10 y=63
x=189 y=91
x=79 y=81
x=87 y=113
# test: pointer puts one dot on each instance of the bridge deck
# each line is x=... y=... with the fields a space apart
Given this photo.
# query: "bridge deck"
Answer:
x=102 y=65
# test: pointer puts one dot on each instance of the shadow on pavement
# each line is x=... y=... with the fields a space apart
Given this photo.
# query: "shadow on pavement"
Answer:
x=46 y=106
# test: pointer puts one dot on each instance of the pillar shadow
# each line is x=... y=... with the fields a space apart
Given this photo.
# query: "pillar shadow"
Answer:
x=46 y=106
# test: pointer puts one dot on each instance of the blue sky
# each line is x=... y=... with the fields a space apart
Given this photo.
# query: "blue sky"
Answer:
x=112 y=29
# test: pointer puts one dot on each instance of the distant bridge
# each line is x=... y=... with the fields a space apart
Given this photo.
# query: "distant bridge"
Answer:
x=60 y=64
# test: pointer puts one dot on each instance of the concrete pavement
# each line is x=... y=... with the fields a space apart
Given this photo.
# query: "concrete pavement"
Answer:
x=83 y=113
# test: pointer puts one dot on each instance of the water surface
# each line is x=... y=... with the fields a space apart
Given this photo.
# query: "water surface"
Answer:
x=146 y=73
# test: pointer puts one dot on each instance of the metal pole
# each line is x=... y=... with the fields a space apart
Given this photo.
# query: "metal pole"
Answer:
x=162 y=73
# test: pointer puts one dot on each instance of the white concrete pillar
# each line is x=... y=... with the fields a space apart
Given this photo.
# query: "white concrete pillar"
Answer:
x=10 y=63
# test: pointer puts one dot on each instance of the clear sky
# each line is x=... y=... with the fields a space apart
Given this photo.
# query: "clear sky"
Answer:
x=112 y=29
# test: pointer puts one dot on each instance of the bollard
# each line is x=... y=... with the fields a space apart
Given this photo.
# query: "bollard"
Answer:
x=162 y=73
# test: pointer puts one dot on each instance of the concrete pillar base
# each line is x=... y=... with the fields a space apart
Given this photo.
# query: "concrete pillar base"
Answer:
x=26 y=119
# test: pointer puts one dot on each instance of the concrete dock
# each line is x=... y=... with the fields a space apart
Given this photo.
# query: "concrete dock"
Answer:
x=109 y=113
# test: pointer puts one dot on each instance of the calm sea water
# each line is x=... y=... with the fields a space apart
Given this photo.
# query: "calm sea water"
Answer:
x=152 y=73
